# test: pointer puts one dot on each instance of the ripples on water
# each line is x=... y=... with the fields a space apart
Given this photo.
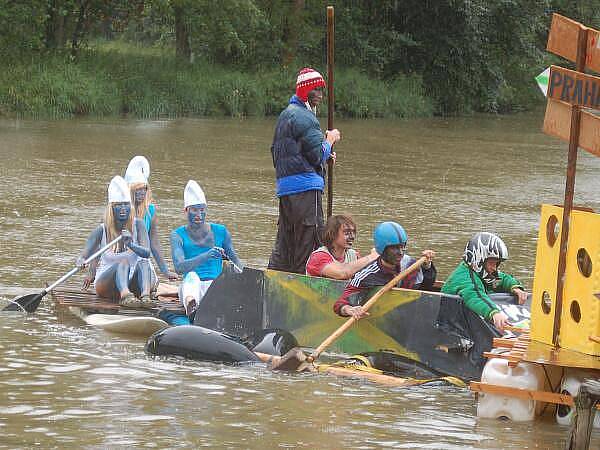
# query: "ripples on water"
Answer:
x=64 y=384
x=69 y=385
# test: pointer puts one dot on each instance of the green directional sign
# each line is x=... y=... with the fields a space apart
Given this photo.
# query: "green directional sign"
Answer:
x=542 y=81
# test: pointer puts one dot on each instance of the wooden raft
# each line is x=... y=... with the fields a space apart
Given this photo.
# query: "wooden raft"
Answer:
x=522 y=348
x=89 y=300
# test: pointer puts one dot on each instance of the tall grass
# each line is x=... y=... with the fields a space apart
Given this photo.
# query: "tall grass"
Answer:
x=55 y=88
x=113 y=79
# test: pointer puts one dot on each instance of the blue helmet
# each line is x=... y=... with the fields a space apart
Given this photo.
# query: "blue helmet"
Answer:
x=388 y=233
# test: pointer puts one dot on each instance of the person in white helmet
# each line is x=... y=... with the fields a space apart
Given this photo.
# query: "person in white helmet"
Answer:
x=198 y=250
x=477 y=276
x=137 y=175
x=123 y=270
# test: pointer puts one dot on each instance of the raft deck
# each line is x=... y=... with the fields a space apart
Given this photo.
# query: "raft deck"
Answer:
x=523 y=349
x=89 y=301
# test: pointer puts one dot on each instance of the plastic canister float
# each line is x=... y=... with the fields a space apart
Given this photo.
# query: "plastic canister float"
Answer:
x=524 y=376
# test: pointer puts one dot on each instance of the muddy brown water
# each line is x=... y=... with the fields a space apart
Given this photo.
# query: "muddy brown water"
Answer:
x=63 y=384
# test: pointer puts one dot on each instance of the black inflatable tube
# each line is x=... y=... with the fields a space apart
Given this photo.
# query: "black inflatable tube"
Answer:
x=198 y=343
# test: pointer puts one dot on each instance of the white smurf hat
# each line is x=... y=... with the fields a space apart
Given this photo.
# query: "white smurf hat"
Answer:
x=193 y=194
x=138 y=170
x=118 y=190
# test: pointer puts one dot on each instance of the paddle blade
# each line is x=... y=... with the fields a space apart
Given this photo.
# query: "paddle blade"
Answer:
x=27 y=303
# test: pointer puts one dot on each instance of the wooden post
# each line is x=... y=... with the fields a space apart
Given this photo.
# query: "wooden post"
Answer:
x=569 y=190
x=330 y=102
x=581 y=429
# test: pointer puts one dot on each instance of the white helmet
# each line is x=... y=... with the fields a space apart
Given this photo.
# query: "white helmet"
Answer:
x=483 y=246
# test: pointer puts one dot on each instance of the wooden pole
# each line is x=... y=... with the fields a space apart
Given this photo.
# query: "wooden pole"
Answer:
x=330 y=102
x=569 y=191
x=585 y=402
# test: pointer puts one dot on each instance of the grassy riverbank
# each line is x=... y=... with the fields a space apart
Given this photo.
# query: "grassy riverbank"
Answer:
x=119 y=79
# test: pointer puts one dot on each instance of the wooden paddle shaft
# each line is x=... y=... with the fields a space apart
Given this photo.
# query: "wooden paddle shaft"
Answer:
x=341 y=330
x=387 y=380
x=330 y=103
x=74 y=270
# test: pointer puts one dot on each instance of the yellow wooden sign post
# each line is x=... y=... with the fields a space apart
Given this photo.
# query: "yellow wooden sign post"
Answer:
x=565 y=307
x=568 y=92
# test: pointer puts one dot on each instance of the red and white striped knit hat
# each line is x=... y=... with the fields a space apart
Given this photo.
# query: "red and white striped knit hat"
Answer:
x=308 y=79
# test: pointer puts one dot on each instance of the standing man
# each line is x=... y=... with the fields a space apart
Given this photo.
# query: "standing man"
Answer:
x=300 y=152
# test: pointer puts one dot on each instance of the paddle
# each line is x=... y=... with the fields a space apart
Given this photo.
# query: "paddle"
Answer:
x=296 y=359
x=374 y=375
x=235 y=266
x=30 y=303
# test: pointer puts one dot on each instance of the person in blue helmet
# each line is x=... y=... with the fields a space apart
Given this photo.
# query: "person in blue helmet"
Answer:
x=390 y=242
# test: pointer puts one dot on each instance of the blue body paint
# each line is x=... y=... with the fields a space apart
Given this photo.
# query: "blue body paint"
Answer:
x=121 y=211
x=139 y=194
x=196 y=215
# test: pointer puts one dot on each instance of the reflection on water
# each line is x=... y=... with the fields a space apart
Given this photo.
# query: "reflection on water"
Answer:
x=65 y=384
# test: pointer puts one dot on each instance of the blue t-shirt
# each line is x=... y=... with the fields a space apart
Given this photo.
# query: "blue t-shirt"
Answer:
x=212 y=268
x=148 y=216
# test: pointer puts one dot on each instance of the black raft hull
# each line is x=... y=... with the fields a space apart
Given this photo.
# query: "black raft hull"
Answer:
x=433 y=329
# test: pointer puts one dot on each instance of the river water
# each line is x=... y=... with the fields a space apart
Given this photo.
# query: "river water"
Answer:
x=63 y=384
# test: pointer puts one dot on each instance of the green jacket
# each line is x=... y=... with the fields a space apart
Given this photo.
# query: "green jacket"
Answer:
x=469 y=285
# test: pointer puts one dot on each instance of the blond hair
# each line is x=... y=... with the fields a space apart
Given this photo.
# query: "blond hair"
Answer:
x=110 y=227
x=142 y=208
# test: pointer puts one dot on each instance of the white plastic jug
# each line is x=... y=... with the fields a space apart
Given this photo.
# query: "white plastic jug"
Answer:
x=570 y=384
x=524 y=376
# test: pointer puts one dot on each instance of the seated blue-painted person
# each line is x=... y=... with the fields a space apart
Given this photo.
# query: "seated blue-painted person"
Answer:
x=198 y=250
x=123 y=271
x=136 y=175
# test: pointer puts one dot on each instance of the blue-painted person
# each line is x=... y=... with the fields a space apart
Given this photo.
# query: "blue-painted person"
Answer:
x=122 y=273
x=137 y=175
x=199 y=248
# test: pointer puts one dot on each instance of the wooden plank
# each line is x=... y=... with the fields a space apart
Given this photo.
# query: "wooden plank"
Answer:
x=557 y=123
x=516 y=329
x=91 y=304
x=525 y=394
x=504 y=342
x=547 y=354
x=573 y=87
x=562 y=41
x=508 y=356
